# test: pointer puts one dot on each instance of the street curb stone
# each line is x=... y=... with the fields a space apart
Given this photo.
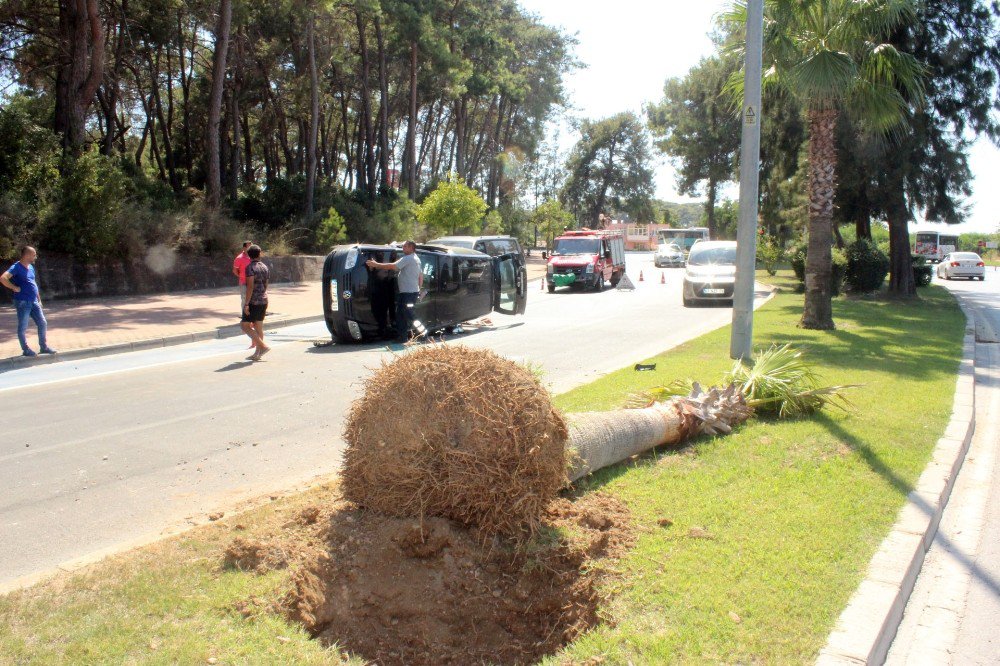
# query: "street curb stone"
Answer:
x=866 y=628
x=221 y=332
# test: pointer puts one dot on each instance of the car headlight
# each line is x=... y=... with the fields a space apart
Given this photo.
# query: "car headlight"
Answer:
x=590 y=268
x=352 y=259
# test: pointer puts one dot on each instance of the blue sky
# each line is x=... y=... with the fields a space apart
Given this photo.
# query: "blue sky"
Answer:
x=630 y=47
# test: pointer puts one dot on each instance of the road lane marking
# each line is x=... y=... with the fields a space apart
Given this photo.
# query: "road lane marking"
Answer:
x=145 y=426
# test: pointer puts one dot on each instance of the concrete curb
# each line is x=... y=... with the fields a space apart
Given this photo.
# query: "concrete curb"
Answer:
x=227 y=331
x=867 y=627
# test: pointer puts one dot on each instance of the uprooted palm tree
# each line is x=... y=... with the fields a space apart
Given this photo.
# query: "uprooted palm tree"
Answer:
x=467 y=435
x=834 y=57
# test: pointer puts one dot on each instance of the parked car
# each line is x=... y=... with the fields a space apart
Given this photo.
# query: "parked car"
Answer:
x=668 y=254
x=491 y=245
x=459 y=285
x=711 y=272
x=962 y=265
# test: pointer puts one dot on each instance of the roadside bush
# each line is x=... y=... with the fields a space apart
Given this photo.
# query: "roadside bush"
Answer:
x=867 y=266
x=922 y=271
x=83 y=217
x=797 y=257
x=769 y=252
x=331 y=231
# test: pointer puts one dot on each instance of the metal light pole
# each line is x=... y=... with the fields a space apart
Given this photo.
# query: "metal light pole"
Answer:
x=741 y=343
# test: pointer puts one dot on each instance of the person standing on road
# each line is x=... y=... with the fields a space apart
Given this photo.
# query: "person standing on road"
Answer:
x=257 y=276
x=240 y=264
x=20 y=278
x=408 y=284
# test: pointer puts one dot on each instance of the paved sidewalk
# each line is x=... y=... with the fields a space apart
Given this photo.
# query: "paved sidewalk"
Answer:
x=82 y=324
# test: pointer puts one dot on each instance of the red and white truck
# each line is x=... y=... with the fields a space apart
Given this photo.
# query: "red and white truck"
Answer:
x=587 y=258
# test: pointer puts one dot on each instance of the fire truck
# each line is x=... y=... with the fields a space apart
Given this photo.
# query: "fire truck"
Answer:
x=586 y=259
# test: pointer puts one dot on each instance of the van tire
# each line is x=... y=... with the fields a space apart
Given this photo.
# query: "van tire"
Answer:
x=599 y=283
x=552 y=289
x=615 y=279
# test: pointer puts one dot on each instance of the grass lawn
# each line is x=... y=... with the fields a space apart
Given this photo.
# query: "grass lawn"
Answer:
x=795 y=509
x=789 y=515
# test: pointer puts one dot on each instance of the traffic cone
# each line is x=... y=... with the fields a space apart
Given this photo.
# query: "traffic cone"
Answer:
x=663 y=278
x=640 y=276
x=542 y=282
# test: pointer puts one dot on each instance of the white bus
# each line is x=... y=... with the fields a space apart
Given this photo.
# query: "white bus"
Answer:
x=934 y=245
x=683 y=238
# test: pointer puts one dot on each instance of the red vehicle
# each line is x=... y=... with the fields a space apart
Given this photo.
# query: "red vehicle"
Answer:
x=586 y=259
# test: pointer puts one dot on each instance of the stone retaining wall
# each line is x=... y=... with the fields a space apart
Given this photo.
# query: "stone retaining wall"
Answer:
x=161 y=271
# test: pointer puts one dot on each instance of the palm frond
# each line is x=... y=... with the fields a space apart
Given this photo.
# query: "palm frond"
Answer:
x=781 y=382
x=678 y=387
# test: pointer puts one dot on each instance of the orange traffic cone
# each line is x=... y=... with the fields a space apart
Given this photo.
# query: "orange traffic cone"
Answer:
x=663 y=278
x=640 y=276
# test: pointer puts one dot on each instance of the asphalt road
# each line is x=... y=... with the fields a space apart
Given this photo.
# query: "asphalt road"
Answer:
x=101 y=453
x=953 y=614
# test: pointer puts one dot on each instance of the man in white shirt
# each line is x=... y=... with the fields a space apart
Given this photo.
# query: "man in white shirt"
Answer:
x=408 y=284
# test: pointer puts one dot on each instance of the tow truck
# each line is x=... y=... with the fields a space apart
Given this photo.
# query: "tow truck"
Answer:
x=588 y=258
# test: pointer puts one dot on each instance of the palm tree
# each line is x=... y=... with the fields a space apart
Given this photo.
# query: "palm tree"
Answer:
x=833 y=56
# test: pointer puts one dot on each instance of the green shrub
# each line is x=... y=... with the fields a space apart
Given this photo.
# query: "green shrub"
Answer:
x=83 y=218
x=797 y=256
x=867 y=266
x=922 y=271
x=769 y=252
x=331 y=231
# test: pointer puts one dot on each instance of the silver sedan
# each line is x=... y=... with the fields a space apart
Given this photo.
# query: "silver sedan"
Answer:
x=962 y=265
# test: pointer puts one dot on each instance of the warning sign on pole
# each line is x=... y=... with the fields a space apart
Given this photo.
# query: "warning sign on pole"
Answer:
x=751 y=116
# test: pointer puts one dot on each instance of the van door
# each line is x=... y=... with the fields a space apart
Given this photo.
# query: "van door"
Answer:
x=510 y=290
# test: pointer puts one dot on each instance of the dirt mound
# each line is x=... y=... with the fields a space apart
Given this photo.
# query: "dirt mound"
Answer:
x=458 y=433
x=404 y=591
x=257 y=555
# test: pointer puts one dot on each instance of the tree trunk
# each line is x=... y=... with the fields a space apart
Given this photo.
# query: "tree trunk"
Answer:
x=80 y=69
x=385 y=182
x=214 y=184
x=713 y=194
x=410 y=152
x=313 y=117
x=817 y=312
x=366 y=157
x=901 y=282
x=600 y=439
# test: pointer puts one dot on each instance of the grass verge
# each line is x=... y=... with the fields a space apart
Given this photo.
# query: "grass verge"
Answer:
x=750 y=544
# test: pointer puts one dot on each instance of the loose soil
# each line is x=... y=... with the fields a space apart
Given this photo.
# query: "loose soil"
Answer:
x=405 y=591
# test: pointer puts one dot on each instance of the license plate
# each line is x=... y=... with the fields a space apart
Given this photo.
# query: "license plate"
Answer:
x=714 y=291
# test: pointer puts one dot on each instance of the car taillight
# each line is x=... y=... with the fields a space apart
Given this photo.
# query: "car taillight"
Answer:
x=981 y=264
x=954 y=263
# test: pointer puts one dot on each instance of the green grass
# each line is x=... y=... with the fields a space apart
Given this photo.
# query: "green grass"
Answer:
x=794 y=510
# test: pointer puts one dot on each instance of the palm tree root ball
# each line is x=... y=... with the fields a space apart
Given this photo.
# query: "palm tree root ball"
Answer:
x=459 y=433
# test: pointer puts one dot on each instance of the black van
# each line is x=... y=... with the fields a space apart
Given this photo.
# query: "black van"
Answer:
x=459 y=284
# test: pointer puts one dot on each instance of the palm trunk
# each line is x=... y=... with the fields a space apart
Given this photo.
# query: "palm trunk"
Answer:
x=214 y=184
x=817 y=312
x=600 y=439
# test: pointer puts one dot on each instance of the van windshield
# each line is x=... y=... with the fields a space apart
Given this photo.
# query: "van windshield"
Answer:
x=565 y=246
x=713 y=256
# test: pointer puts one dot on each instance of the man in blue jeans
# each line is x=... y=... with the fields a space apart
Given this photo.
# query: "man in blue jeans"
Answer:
x=20 y=278
x=408 y=284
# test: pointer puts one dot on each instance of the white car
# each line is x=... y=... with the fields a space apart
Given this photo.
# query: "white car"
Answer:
x=962 y=265
x=668 y=254
x=711 y=272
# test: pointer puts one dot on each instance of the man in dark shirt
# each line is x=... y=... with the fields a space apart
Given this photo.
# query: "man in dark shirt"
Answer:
x=257 y=276
x=20 y=278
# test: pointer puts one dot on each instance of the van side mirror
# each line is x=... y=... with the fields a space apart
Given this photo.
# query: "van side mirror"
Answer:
x=607 y=255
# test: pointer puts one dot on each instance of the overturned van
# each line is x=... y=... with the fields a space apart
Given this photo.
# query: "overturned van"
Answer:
x=459 y=285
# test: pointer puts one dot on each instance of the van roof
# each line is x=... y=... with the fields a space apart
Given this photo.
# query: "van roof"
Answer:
x=439 y=249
